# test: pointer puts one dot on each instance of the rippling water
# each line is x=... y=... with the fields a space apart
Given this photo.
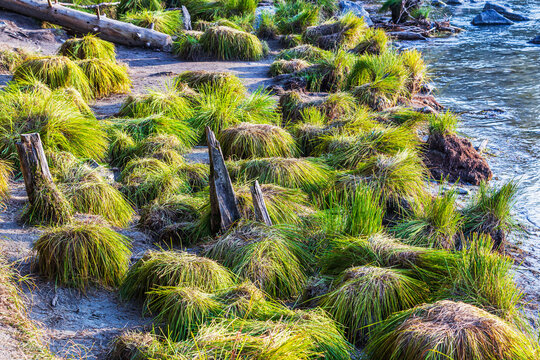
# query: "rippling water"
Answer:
x=492 y=76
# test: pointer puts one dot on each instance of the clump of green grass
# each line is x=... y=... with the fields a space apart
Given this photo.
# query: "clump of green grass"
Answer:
x=490 y=212
x=197 y=175
x=434 y=222
x=105 y=77
x=73 y=95
x=59 y=122
x=306 y=174
x=352 y=212
x=80 y=254
x=147 y=179
x=294 y=17
x=246 y=141
x=366 y=295
x=280 y=67
x=399 y=177
x=188 y=47
x=49 y=206
x=265 y=257
x=56 y=72
x=290 y=40
x=167 y=102
x=11 y=58
x=382 y=250
x=137 y=5
x=199 y=78
x=417 y=68
x=172 y=268
x=133 y=345
x=169 y=219
x=304 y=52
x=267 y=28
x=329 y=74
x=378 y=80
x=448 y=330
x=89 y=193
x=372 y=41
x=388 y=141
x=443 y=124
x=343 y=33
x=5 y=174
x=167 y=22
x=485 y=279
x=219 y=108
x=122 y=148
x=179 y=135
x=202 y=25
x=88 y=47
x=225 y=43
x=182 y=309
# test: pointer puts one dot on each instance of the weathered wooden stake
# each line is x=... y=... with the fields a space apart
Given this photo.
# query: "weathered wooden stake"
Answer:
x=186 y=18
x=261 y=212
x=34 y=166
x=224 y=210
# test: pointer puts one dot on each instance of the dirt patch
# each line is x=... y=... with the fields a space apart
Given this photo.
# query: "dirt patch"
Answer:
x=456 y=158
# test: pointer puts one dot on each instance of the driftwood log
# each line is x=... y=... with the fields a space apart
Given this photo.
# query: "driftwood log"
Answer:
x=34 y=166
x=261 y=212
x=223 y=207
x=108 y=29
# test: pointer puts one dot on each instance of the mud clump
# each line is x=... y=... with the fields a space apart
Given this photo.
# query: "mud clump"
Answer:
x=456 y=158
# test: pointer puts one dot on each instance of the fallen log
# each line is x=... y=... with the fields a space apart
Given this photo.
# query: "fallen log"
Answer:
x=108 y=29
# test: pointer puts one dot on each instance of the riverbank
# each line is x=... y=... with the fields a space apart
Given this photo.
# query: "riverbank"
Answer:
x=83 y=325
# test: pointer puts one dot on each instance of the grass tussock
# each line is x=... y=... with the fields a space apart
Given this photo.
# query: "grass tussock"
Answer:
x=197 y=79
x=136 y=5
x=343 y=33
x=306 y=174
x=434 y=222
x=294 y=17
x=225 y=43
x=56 y=72
x=372 y=41
x=448 y=330
x=5 y=175
x=11 y=58
x=308 y=53
x=167 y=22
x=247 y=141
x=418 y=72
x=490 y=212
x=281 y=66
x=265 y=256
x=366 y=295
x=168 y=102
x=105 y=77
x=88 y=47
x=80 y=254
x=443 y=124
x=267 y=28
x=58 y=120
x=89 y=193
x=172 y=268
x=219 y=108
x=49 y=207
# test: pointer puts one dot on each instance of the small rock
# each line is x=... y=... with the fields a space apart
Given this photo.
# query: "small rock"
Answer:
x=536 y=40
x=407 y=35
x=462 y=191
x=454 y=2
x=505 y=11
x=357 y=9
x=490 y=17
x=259 y=12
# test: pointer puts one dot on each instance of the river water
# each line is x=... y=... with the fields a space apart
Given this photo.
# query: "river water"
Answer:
x=491 y=75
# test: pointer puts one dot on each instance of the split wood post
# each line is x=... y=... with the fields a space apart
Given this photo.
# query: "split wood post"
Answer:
x=106 y=28
x=186 y=18
x=261 y=212
x=224 y=210
x=34 y=166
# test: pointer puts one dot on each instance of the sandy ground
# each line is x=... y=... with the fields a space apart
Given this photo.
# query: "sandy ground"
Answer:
x=81 y=325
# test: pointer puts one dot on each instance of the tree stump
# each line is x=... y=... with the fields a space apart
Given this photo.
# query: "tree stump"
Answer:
x=223 y=207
